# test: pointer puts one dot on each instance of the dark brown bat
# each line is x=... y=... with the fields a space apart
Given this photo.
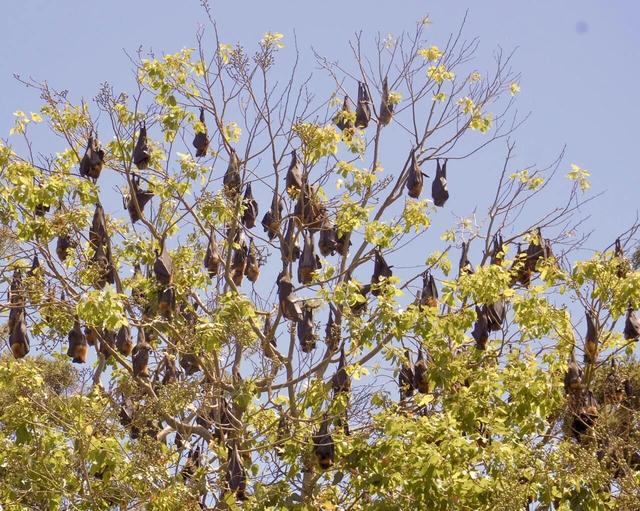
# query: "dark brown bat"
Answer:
x=250 y=208
x=439 y=190
x=306 y=331
x=282 y=435
x=536 y=251
x=586 y=417
x=421 y=374
x=239 y=263
x=140 y=356
x=63 y=245
x=107 y=342
x=328 y=241
x=191 y=464
x=360 y=305
x=171 y=374
x=520 y=270
x=294 y=176
x=406 y=377
x=623 y=264
x=271 y=219
x=269 y=345
x=497 y=252
x=363 y=110
x=98 y=229
x=124 y=343
x=332 y=332
x=429 y=296
x=415 y=179
x=93 y=159
x=342 y=118
x=464 y=266
x=288 y=301
x=139 y=196
x=163 y=267
x=232 y=180
x=309 y=261
x=323 y=446
x=309 y=210
x=106 y=272
x=18 y=335
x=343 y=242
x=41 y=209
x=141 y=154
x=591 y=340
x=480 y=331
x=92 y=335
x=212 y=256
x=252 y=269
x=341 y=381
x=167 y=302
x=381 y=271
x=386 y=107
x=573 y=377
x=78 y=346
x=631 y=325
x=496 y=314
x=190 y=363
x=16 y=290
x=236 y=474
x=201 y=140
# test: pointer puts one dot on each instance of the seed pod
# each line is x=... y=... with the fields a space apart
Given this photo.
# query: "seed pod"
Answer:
x=465 y=266
x=137 y=196
x=239 y=263
x=520 y=270
x=386 y=107
x=163 y=267
x=363 y=110
x=201 y=140
x=323 y=446
x=573 y=377
x=252 y=269
x=406 y=377
x=439 y=191
x=93 y=159
x=212 y=256
x=309 y=261
x=480 y=331
x=98 y=229
x=381 y=271
x=294 y=176
x=232 y=180
x=586 y=417
x=140 y=356
x=250 y=209
x=332 y=332
x=77 y=344
x=421 y=374
x=328 y=241
x=415 y=179
x=141 y=154
x=341 y=381
x=271 y=220
x=343 y=118
x=631 y=325
x=190 y=363
x=495 y=314
x=124 y=344
x=236 y=474
x=306 y=331
x=63 y=245
x=18 y=336
x=288 y=301
x=497 y=252
x=191 y=464
x=429 y=296
x=591 y=340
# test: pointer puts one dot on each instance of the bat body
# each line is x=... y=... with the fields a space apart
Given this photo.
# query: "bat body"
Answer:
x=363 y=110
x=386 y=107
x=141 y=154
x=439 y=190
x=201 y=140
x=232 y=180
x=78 y=346
x=250 y=208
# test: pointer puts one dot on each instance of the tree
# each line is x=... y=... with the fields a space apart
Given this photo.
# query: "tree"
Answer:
x=180 y=356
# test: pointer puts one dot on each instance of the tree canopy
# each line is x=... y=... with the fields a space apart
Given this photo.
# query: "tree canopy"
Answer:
x=224 y=291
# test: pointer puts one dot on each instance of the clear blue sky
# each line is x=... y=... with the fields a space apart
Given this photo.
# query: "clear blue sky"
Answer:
x=578 y=59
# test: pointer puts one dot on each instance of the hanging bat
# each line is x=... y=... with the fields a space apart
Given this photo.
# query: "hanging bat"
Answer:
x=497 y=252
x=63 y=245
x=271 y=220
x=288 y=301
x=41 y=209
x=250 y=209
x=18 y=336
x=282 y=434
x=631 y=325
x=140 y=356
x=93 y=159
x=328 y=242
x=98 y=229
x=406 y=377
x=191 y=464
x=480 y=331
x=343 y=119
x=586 y=417
x=536 y=250
x=124 y=343
x=77 y=344
x=421 y=374
x=306 y=331
x=341 y=381
x=236 y=474
x=343 y=242
x=92 y=335
x=381 y=271
x=269 y=344
x=360 y=305
x=309 y=211
x=190 y=363
x=290 y=250
x=16 y=289
x=239 y=263
x=415 y=179
x=573 y=377
x=309 y=261
x=591 y=340
x=363 y=110
x=294 y=176
x=106 y=342
x=429 y=295
x=212 y=256
x=232 y=180
x=106 y=272
x=201 y=140
x=520 y=270
x=464 y=266
x=386 y=107
x=167 y=302
x=332 y=332
x=323 y=446
x=141 y=154
x=495 y=314
x=623 y=264
x=136 y=196
x=252 y=268
x=439 y=191
x=163 y=266
x=171 y=374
